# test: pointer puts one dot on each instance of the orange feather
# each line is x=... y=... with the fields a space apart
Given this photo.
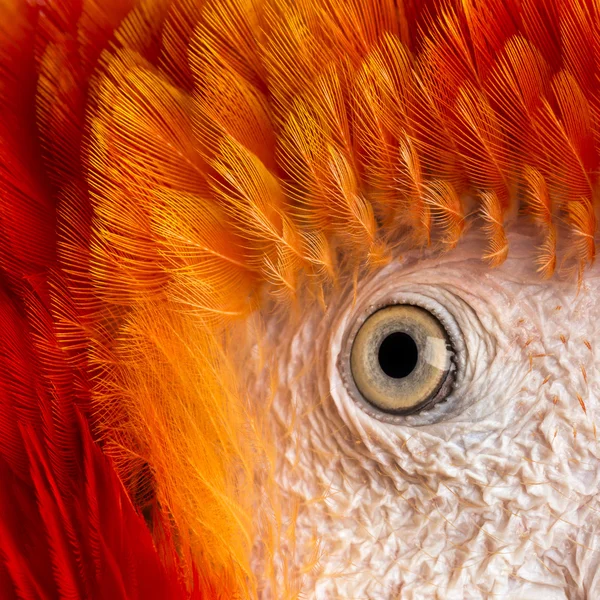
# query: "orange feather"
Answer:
x=539 y=206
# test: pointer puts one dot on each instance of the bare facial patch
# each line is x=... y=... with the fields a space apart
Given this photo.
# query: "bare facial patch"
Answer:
x=491 y=492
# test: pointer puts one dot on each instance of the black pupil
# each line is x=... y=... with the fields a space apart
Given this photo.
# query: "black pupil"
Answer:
x=398 y=355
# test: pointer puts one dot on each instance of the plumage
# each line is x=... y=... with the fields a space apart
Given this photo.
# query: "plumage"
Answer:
x=446 y=211
x=539 y=206
x=168 y=167
x=68 y=528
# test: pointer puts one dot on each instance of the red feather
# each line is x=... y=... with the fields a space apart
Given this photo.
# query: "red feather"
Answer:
x=68 y=529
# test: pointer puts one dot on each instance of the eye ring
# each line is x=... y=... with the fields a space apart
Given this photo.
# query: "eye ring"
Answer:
x=400 y=358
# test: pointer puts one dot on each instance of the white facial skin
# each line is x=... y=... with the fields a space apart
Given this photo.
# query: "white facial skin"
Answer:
x=491 y=494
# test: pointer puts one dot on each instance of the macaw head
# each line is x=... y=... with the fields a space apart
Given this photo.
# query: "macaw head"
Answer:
x=324 y=273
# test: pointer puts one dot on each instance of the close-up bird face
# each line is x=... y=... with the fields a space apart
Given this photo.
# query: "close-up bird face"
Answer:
x=490 y=491
x=299 y=299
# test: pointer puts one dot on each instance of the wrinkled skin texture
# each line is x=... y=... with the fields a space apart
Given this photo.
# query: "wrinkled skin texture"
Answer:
x=492 y=494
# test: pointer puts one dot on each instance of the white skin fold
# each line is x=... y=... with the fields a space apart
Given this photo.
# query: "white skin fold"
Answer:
x=492 y=493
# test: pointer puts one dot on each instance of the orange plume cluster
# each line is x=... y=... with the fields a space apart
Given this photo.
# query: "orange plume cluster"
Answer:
x=168 y=166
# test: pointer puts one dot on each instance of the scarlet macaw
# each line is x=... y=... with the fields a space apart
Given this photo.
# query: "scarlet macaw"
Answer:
x=298 y=299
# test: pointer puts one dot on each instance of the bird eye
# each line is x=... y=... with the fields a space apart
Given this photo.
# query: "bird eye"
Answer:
x=401 y=360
